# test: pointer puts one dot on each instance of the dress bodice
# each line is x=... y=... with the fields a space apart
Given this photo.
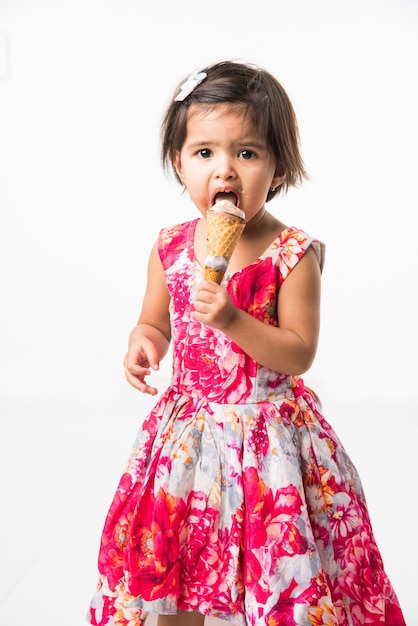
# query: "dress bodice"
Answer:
x=205 y=361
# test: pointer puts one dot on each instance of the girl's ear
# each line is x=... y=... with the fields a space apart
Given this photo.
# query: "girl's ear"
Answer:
x=279 y=177
x=177 y=165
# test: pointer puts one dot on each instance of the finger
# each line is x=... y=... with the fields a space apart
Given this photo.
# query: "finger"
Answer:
x=136 y=369
x=143 y=359
x=209 y=286
x=152 y=391
x=140 y=384
x=150 y=356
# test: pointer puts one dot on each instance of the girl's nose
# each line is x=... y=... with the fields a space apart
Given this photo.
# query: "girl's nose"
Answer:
x=224 y=169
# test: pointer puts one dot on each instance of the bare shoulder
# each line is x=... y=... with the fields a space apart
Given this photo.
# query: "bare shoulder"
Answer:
x=302 y=288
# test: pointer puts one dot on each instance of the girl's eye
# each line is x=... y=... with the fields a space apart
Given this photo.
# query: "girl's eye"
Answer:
x=247 y=154
x=205 y=153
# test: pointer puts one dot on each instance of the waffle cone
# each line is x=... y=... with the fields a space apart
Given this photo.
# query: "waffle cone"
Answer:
x=214 y=275
x=223 y=231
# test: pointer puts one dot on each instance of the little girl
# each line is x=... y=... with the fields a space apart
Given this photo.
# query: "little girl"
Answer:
x=238 y=501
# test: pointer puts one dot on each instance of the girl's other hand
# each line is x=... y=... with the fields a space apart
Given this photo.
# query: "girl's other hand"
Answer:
x=138 y=362
x=213 y=306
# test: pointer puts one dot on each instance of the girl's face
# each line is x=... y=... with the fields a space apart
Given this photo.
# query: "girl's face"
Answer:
x=223 y=157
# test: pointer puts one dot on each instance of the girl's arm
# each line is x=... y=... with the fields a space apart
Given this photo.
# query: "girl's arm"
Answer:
x=149 y=340
x=289 y=348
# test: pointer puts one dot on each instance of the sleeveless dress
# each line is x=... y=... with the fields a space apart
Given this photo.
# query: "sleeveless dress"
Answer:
x=238 y=501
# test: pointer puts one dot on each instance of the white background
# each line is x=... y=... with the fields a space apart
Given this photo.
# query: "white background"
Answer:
x=83 y=86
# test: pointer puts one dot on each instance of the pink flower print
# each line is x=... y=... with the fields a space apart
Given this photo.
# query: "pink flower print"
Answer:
x=344 y=520
x=274 y=533
x=201 y=524
x=322 y=611
x=180 y=291
x=273 y=515
x=114 y=542
x=153 y=552
x=125 y=614
x=258 y=440
x=291 y=249
x=125 y=486
x=215 y=366
x=101 y=616
x=320 y=485
x=323 y=614
x=171 y=244
x=321 y=534
x=363 y=579
x=207 y=562
x=282 y=614
x=262 y=298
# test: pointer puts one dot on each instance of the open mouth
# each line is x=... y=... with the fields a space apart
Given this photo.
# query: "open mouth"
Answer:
x=226 y=195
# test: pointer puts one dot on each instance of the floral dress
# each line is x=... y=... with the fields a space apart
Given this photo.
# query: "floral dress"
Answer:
x=238 y=501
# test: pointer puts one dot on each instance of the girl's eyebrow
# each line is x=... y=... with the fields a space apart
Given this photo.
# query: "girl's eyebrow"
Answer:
x=251 y=143
x=199 y=142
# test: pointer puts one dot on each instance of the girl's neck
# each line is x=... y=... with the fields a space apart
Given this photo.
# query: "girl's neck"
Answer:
x=256 y=222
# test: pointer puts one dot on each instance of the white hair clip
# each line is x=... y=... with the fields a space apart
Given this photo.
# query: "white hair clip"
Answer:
x=191 y=83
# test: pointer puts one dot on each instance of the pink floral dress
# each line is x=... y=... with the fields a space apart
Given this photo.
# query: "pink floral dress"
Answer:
x=238 y=500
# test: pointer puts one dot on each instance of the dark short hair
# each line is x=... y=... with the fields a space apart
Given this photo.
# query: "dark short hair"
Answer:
x=263 y=99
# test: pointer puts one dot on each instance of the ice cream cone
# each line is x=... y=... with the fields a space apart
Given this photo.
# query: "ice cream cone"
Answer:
x=225 y=223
